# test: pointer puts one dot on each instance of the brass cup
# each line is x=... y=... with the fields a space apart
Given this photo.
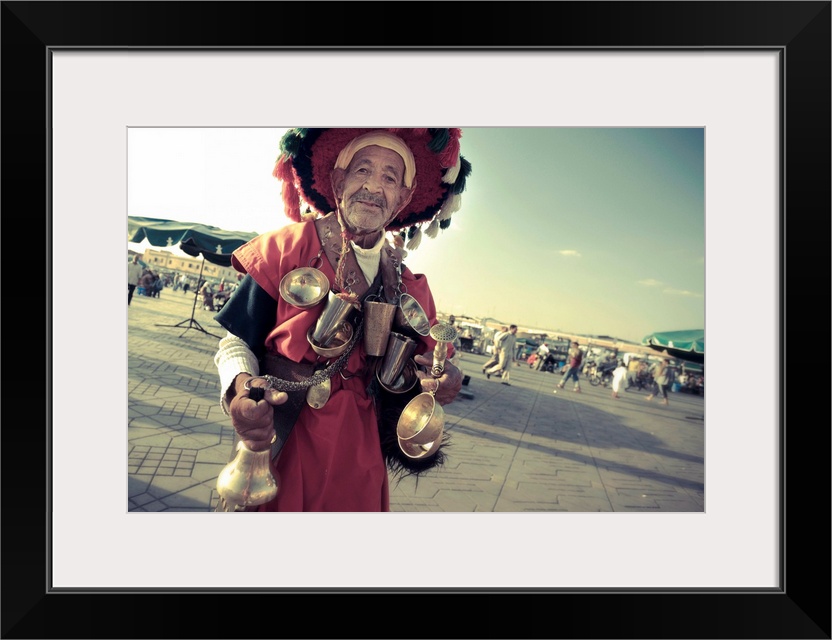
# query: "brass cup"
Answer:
x=336 y=311
x=411 y=315
x=337 y=344
x=418 y=451
x=378 y=321
x=304 y=287
x=399 y=350
x=422 y=420
x=405 y=382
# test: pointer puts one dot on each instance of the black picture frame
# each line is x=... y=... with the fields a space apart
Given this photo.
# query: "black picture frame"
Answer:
x=800 y=31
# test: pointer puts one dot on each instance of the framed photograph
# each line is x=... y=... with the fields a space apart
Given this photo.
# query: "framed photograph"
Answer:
x=755 y=75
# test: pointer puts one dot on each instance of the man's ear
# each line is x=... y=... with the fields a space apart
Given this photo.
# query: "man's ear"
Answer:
x=336 y=178
x=405 y=195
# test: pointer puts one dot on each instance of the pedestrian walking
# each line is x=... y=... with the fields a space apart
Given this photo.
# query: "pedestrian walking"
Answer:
x=134 y=274
x=661 y=380
x=495 y=348
x=619 y=378
x=508 y=344
x=575 y=356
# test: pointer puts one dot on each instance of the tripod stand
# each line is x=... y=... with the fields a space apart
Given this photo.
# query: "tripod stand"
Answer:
x=192 y=322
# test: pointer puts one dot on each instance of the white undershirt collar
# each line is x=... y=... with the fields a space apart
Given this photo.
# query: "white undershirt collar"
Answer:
x=368 y=259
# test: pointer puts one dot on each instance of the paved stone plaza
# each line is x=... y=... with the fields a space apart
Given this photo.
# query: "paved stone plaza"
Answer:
x=518 y=448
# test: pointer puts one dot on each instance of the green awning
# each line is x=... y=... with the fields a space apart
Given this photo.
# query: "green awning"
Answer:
x=169 y=233
x=687 y=344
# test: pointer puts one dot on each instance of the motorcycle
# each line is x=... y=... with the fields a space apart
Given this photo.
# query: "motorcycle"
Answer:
x=549 y=363
x=602 y=375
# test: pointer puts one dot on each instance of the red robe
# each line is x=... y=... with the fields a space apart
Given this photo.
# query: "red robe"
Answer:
x=332 y=459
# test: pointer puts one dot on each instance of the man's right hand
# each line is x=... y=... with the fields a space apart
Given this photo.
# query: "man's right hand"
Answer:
x=254 y=421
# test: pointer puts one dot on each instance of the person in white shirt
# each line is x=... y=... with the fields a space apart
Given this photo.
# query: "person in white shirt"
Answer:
x=134 y=274
x=542 y=352
x=508 y=343
x=495 y=353
x=619 y=377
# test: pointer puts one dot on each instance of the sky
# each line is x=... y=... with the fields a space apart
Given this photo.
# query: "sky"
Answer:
x=593 y=231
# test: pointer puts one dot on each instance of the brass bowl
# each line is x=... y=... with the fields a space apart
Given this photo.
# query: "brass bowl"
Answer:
x=410 y=314
x=417 y=451
x=337 y=345
x=304 y=287
x=406 y=380
x=421 y=421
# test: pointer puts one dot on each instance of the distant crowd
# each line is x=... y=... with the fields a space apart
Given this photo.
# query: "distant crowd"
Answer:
x=143 y=281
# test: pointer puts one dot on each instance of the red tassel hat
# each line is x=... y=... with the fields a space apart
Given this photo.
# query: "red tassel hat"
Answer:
x=307 y=157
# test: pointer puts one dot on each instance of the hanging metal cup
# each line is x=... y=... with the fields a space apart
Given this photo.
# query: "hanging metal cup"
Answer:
x=404 y=383
x=378 y=322
x=399 y=350
x=305 y=287
x=335 y=313
x=421 y=424
x=410 y=314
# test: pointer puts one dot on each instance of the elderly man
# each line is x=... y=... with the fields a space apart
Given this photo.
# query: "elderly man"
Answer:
x=332 y=451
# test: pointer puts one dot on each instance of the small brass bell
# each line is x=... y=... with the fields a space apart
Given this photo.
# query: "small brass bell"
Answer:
x=247 y=480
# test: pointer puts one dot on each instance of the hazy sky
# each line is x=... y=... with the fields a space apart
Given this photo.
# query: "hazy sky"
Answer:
x=584 y=230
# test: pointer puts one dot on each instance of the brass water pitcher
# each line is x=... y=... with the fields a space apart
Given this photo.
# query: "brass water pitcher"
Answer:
x=247 y=480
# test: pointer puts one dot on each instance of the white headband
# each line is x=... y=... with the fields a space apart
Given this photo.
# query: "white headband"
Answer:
x=381 y=139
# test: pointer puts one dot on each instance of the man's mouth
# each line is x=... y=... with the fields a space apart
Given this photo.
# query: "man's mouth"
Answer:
x=368 y=199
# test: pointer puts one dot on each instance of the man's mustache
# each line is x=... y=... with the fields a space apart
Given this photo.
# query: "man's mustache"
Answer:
x=366 y=196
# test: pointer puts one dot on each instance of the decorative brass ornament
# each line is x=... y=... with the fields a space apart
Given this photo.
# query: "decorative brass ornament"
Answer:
x=318 y=394
x=304 y=287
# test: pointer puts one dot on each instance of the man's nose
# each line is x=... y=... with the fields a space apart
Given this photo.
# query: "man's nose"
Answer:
x=372 y=184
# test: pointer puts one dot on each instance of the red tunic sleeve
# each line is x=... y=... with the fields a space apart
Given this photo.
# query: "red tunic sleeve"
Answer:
x=269 y=257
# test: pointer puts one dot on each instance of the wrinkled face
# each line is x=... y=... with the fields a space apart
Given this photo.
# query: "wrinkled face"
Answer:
x=370 y=191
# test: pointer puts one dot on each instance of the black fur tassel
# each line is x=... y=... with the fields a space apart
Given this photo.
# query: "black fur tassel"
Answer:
x=440 y=139
x=464 y=171
x=389 y=407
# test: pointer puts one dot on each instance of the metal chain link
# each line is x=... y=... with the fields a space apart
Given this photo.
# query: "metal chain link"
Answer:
x=319 y=376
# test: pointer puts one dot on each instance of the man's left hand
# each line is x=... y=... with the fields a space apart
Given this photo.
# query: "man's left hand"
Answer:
x=450 y=382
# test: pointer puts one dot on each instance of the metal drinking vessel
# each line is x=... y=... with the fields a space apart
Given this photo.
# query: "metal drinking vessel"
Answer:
x=410 y=314
x=399 y=350
x=335 y=313
x=378 y=322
